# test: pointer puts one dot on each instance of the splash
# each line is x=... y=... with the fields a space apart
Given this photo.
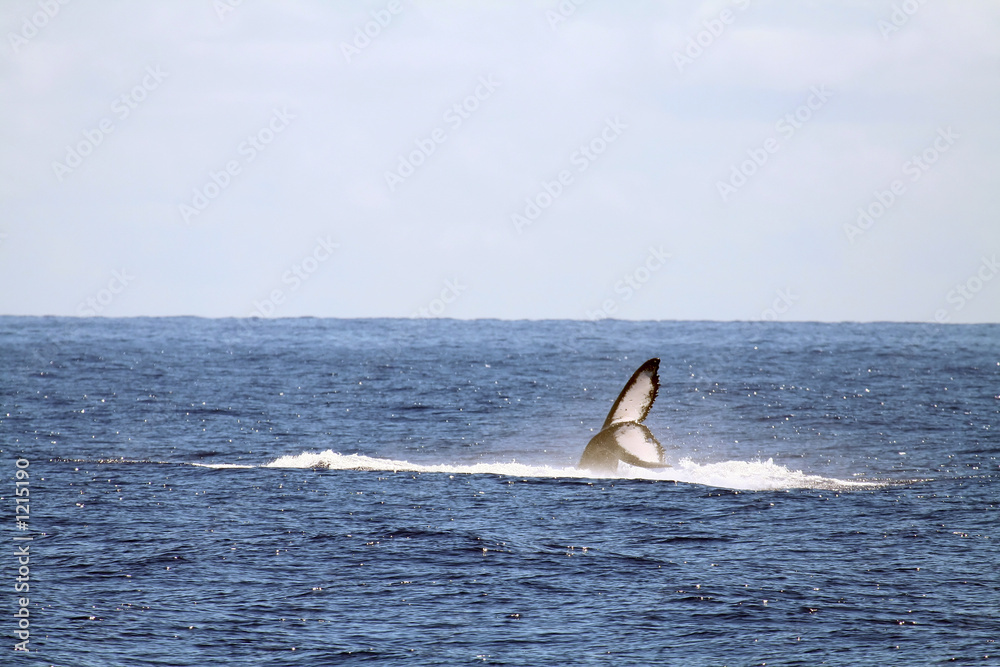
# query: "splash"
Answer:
x=221 y=466
x=743 y=475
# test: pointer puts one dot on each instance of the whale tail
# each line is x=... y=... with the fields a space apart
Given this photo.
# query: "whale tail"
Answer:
x=623 y=437
x=633 y=404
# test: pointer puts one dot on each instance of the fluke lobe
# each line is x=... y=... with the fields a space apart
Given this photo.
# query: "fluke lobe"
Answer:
x=624 y=437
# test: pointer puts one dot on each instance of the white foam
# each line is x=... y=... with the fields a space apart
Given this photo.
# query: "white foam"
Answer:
x=743 y=475
x=220 y=466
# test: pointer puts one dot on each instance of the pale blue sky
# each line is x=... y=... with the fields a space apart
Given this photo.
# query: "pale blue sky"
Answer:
x=642 y=124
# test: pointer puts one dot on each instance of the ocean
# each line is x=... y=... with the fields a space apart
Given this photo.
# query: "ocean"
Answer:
x=185 y=491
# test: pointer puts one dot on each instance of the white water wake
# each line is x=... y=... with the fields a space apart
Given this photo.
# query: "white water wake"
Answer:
x=742 y=475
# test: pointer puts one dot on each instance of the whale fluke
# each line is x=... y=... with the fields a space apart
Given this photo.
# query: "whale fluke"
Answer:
x=623 y=436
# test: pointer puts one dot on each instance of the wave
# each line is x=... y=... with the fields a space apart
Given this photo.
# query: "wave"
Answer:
x=742 y=475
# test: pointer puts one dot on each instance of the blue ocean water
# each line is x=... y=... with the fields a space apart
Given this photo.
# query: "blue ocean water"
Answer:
x=319 y=492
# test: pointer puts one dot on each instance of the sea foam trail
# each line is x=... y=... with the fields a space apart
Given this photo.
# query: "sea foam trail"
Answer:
x=743 y=475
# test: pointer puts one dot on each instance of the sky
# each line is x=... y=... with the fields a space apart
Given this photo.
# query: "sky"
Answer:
x=741 y=160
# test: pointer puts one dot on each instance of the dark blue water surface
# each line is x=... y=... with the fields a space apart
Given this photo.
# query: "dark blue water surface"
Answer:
x=319 y=492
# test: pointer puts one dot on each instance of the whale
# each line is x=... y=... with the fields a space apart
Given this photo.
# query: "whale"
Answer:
x=624 y=438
